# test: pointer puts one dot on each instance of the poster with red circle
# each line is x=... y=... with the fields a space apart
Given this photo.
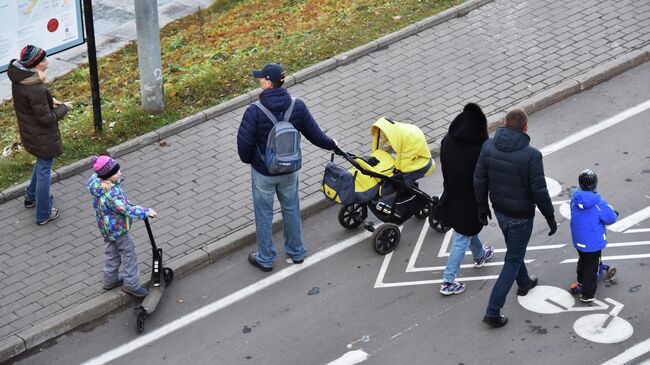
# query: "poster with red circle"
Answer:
x=52 y=25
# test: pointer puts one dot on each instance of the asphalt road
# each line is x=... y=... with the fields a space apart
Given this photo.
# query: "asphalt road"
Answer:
x=347 y=301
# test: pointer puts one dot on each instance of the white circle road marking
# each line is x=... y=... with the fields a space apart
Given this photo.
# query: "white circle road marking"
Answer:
x=595 y=328
x=547 y=300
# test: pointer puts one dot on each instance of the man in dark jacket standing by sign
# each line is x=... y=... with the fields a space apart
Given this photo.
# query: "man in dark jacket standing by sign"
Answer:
x=513 y=173
x=38 y=121
x=251 y=144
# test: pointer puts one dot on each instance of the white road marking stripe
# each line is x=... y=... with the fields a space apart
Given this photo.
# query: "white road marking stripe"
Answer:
x=226 y=301
x=630 y=354
x=590 y=131
x=380 y=284
x=626 y=244
x=418 y=245
x=630 y=221
x=611 y=258
x=639 y=230
x=464 y=266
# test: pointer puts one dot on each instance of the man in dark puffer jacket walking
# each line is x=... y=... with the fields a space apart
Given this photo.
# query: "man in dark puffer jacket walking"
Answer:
x=513 y=173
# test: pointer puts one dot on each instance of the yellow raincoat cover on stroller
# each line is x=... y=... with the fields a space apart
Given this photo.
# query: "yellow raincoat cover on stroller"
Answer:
x=406 y=141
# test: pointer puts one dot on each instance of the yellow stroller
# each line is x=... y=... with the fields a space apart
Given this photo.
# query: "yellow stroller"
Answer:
x=385 y=182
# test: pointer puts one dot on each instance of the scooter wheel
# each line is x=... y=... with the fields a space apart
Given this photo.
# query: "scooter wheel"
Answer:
x=385 y=238
x=611 y=274
x=168 y=275
x=139 y=321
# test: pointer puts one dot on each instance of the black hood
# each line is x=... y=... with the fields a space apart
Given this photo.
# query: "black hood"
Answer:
x=508 y=140
x=17 y=72
x=470 y=125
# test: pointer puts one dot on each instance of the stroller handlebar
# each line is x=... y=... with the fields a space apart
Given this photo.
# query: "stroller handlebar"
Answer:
x=395 y=180
x=352 y=159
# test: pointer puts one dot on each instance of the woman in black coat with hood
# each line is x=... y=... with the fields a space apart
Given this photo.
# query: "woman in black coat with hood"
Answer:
x=458 y=156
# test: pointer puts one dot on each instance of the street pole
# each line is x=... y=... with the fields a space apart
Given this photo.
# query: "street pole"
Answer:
x=150 y=64
x=92 y=65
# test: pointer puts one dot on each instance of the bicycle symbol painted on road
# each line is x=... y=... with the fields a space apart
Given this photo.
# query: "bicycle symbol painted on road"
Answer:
x=604 y=328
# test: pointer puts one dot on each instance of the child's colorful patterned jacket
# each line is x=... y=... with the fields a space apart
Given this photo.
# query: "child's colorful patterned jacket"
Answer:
x=113 y=211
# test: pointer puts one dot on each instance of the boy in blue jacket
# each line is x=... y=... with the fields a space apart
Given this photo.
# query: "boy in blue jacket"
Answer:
x=589 y=215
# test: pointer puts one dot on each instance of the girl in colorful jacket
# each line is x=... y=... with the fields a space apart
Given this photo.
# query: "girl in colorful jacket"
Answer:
x=589 y=215
x=114 y=214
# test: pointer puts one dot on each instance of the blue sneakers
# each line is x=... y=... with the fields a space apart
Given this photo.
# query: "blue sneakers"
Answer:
x=452 y=288
x=479 y=262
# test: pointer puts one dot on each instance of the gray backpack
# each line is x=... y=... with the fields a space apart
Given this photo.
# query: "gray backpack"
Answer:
x=282 y=154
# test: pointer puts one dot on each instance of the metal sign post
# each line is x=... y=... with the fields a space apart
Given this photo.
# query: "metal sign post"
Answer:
x=92 y=65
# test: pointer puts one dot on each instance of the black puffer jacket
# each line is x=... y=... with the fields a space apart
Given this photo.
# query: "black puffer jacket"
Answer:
x=459 y=152
x=38 y=119
x=513 y=173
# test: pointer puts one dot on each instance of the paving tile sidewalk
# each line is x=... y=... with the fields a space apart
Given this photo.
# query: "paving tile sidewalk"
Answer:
x=496 y=56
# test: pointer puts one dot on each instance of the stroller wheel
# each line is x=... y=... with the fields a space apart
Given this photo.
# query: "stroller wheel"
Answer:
x=352 y=215
x=437 y=225
x=386 y=237
x=424 y=212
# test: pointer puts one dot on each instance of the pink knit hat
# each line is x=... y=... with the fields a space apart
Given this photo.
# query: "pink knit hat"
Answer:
x=105 y=166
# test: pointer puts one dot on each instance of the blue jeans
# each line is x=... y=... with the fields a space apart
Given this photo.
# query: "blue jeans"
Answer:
x=457 y=254
x=38 y=189
x=264 y=190
x=517 y=234
x=121 y=251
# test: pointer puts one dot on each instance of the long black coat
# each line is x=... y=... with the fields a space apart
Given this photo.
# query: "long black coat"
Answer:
x=38 y=118
x=458 y=156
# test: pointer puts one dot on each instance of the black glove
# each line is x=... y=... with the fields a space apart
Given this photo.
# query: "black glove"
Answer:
x=483 y=215
x=371 y=160
x=552 y=224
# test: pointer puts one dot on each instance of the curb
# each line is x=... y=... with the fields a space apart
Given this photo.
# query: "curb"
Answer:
x=247 y=98
x=115 y=299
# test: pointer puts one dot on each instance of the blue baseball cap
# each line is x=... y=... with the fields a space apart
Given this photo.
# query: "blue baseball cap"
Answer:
x=271 y=71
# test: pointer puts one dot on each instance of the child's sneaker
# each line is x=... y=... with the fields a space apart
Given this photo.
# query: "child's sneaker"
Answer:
x=479 y=262
x=575 y=288
x=452 y=288
x=586 y=298
x=109 y=286
x=139 y=292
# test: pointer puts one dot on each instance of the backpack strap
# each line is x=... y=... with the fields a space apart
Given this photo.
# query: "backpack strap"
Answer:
x=273 y=118
x=287 y=114
x=268 y=113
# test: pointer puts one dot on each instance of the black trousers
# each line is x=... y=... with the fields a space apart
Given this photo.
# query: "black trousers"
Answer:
x=587 y=271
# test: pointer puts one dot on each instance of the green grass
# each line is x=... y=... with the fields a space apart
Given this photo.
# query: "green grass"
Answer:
x=207 y=59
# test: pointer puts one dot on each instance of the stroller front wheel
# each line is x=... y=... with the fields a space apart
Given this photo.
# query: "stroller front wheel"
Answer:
x=386 y=237
x=437 y=225
x=352 y=215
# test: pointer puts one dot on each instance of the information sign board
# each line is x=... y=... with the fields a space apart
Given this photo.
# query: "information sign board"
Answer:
x=54 y=25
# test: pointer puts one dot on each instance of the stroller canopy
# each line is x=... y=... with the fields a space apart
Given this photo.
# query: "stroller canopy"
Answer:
x=407 y=140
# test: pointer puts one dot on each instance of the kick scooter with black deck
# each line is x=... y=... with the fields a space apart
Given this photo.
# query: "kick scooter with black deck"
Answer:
x=161 y=277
